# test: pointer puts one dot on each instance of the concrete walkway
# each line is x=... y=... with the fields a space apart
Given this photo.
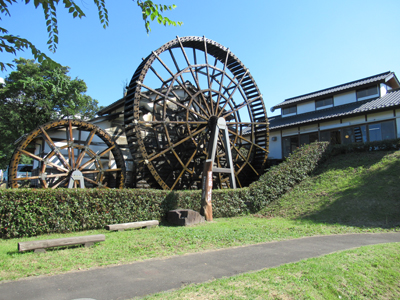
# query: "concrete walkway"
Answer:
x=156 y=275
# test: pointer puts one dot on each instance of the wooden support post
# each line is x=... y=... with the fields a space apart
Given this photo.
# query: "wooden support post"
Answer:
x=207 y=182
x=216 y=124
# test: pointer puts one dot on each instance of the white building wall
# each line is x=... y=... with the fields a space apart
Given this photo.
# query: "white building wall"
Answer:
x=380 y=116
x=344 y=98
x=275 y=146
x=354 y=120
x=330 y=124
x=305 y=107
x=397 y=111
x=309 y=128
x=384 y=88
x=290 y=131
x=398 y=127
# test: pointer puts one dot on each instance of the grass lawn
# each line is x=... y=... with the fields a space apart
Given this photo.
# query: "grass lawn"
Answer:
x=352 y=193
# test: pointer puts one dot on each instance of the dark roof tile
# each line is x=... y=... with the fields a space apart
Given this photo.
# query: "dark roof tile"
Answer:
x=391 y=99
x=339 y=88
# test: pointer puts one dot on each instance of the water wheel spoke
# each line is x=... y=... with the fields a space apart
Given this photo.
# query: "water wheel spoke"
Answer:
x=213 y=75
x=24 y=178
x=85 y=148
x=205 y=112
x=51 y=144
x=246 y=123
x=184 y=169
x=174 y=60
x=221 y=84
x=57 y=175
x=246 y=162
x=238 y=181
x=95 y=157
x=98 y=171
x=233 y=92
x=208 y=74
x=157 y=75
x=58 y=182
x=163 y=64
x=98 y=183
x=184 y=166
x=46 y=162
x=248 y=141
x=195 y=77
x=192 y=135
x=70 y=141
x=174 y=122
x=169 y=99
x=240 y=106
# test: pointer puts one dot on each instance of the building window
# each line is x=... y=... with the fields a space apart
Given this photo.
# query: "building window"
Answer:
x=289 y=110
x=332 y=136
x=381 y=131
x=357 y=134
x=328 y=102
x=308 y=138
x=289 y=143
x=369 y=92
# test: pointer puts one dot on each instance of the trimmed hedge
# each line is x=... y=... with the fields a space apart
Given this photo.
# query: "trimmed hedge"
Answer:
x=30 y=212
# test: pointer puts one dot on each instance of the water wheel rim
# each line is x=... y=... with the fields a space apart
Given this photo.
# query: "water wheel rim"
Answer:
x=232 y=70
x=67 y=162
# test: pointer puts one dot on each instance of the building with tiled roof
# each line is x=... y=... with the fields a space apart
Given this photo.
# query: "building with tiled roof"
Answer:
x=359 y=111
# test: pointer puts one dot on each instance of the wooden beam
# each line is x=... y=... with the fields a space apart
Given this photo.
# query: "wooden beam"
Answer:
x=123 y=226
x=40 y=246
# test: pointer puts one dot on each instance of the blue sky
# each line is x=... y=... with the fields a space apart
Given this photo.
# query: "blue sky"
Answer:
x=291 y=47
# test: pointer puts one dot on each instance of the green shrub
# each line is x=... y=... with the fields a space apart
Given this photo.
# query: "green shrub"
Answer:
x=30 y=212
x=279 y=179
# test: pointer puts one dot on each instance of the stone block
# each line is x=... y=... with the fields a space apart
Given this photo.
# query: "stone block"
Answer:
x=184 y=217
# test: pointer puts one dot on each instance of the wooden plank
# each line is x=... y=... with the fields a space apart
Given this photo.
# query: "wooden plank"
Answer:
x=87 y=240
x=123 y=226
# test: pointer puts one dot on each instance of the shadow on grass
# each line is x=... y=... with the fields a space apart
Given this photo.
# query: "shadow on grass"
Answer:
x=371 y=200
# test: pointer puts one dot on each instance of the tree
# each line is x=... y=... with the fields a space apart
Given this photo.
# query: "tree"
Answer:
x=11 y=43
x=35 y=94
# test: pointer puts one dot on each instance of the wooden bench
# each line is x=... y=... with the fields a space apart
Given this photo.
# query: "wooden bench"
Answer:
x=40 y=246
x=123 y=226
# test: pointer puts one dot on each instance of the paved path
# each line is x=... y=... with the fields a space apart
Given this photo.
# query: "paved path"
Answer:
x=156 y=275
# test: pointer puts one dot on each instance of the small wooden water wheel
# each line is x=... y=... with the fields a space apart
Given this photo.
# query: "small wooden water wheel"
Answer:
x=175 y=96
x=68 y=153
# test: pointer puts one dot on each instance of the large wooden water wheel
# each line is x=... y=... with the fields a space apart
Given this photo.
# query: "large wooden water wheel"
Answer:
x=175 y=96
x=68 y=153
